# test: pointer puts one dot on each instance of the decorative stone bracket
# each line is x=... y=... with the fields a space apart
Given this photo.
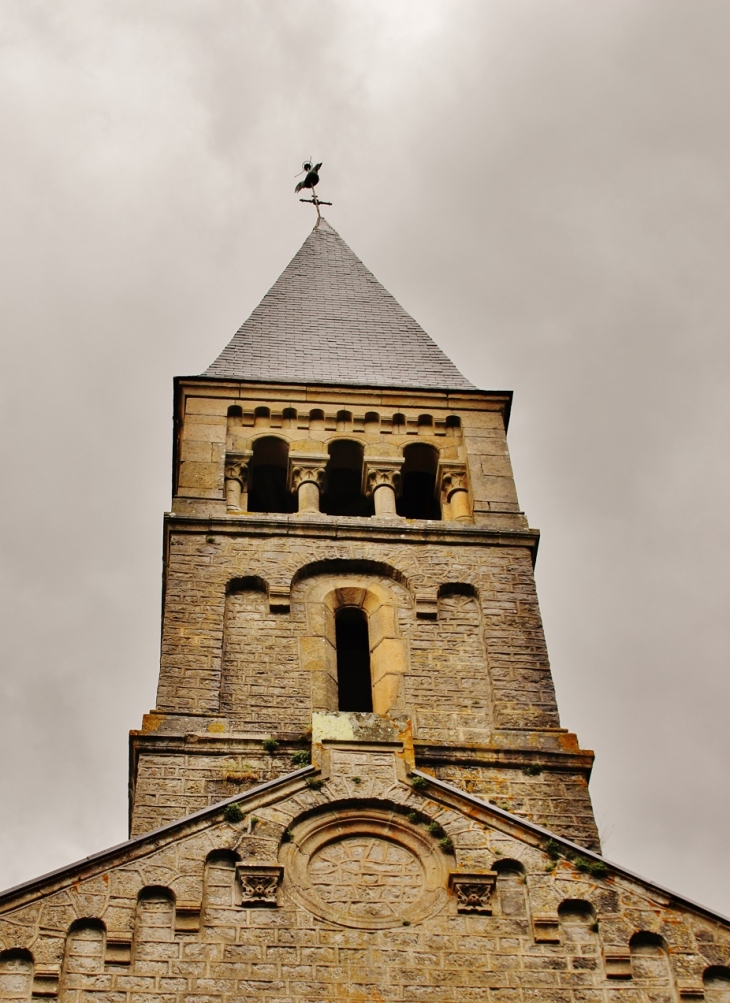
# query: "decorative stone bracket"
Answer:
x=45 y=983
x=546 y=928
x=617 y=961
x=690 y=990
x=454 y=488
x=473 y=891
x=259 y=884
x=118 y=950
x=187 y=918
x=236 y=478
x=306 y=477
x=382 y=480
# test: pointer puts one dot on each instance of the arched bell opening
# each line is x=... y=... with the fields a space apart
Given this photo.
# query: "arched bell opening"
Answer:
x=343 y=494
x=418 y=499
x=268 y=491
x=352 y=642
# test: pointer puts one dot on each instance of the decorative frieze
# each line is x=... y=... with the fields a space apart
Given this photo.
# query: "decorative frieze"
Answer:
x=473 y=891
x=259 y=884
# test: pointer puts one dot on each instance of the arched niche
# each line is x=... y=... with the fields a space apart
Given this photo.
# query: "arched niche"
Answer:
x=262 y=417
x=418 y=496
x=16 y=975
x=267 y=476
x=511 y=890
x=155 y=918
x=577 y=919
x=219 y=884
x=650 y=961
x=246 y=611
x=376 y=599
x=343 y=486
x=83 y=955
x=343 y=421
x=234 y=417
x=716 y=982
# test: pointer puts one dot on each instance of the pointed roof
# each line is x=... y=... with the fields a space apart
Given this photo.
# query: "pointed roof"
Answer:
x=327 y=319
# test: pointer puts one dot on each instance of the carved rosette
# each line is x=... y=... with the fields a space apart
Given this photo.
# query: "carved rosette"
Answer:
x=473 y=892
x=259 y=884
x=380 y=473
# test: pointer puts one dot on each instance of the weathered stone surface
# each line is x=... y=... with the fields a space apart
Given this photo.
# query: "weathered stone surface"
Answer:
x=356 y=888
x=288 y=848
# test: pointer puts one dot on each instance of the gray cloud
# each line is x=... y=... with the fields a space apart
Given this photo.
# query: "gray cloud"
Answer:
x=542 y=184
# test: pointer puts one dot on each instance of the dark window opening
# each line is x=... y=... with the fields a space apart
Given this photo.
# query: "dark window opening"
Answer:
x=343 y=494
x=418 y=498
x=354 y=686
x=268 y=491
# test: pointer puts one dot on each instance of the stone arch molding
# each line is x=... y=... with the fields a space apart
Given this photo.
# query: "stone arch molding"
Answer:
x=376 y=596
x=363 y=867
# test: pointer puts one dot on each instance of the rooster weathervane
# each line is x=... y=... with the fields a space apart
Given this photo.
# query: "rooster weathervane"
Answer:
x=311 y=179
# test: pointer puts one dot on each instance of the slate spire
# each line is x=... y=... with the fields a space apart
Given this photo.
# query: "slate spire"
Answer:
x=327 y=319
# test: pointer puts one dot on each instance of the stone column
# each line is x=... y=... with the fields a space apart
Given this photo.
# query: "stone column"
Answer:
x=306 y=477
x=454 y=488
x=382 y=478
x=237 y=480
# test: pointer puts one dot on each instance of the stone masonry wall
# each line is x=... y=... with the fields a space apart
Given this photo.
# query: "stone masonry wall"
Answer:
x=476 y=666
x=344 y=892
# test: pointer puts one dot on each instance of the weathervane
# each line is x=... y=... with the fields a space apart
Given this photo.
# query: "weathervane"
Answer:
x=311 y=179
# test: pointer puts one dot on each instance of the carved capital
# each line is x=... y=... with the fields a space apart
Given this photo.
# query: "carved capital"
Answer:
x=452 y=477
x=473 y=891
x=382 y=472
x=307 y=469
x=237 y=467
x=258 y=884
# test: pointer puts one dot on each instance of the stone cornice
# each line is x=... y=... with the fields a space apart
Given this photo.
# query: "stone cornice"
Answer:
x=353 y=528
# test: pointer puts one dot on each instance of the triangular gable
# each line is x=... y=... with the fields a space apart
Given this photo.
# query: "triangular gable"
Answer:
x=403 y=860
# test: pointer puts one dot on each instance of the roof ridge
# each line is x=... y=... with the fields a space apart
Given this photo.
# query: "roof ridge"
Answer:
x=327 y=319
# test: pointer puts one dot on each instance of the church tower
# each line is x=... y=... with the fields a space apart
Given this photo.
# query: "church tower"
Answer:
x=346 y=556
x=354 y=786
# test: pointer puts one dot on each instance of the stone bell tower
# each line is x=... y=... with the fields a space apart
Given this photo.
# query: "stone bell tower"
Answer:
x=345 y=555
x=354 y=786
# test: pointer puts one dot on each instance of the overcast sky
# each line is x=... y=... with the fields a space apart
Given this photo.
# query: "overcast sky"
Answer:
x=541 y=183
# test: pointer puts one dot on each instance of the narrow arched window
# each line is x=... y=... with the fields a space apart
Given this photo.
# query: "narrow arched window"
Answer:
x=418 y=499
x=268 y=492
x=343 y=494
x=354 y=685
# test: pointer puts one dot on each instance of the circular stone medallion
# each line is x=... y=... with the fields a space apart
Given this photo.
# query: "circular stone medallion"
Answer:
x=366 y=877
x=364 y=868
